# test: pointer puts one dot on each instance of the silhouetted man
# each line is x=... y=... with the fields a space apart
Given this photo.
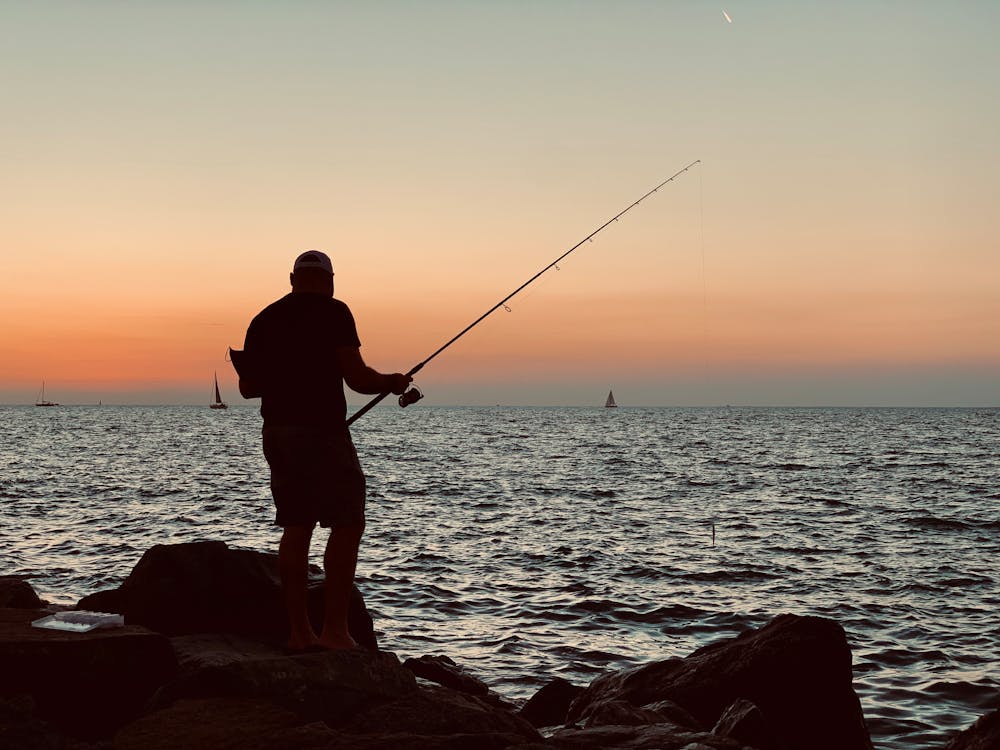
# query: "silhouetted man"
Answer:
x=299 y=352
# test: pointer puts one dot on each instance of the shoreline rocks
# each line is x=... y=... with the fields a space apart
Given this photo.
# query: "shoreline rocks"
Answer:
x=549 y=706
x=984 y=734
x=84 y=684
x=795 y=670
x=17 y=593
x=199 y=664
x=206 y=587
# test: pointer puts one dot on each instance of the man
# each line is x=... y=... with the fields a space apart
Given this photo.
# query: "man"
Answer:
x=299 y=352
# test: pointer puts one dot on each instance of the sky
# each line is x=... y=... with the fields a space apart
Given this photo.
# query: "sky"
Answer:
x=165 y=162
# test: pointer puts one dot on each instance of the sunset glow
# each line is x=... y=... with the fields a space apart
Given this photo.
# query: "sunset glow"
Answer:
x=165 y=164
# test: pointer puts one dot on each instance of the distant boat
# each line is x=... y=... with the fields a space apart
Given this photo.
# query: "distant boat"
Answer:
x=218 y=403
x=41 y=398
x=610 y=403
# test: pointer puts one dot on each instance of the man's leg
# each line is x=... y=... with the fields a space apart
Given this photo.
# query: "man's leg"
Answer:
x=293 y=567
x=340 y=560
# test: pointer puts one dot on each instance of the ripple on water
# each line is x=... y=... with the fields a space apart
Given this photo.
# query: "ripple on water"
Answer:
x=541 y=542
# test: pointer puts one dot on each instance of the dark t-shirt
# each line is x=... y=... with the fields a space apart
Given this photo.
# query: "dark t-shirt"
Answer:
x=291 y=345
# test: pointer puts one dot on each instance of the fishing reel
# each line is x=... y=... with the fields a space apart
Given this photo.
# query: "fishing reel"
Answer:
x=410 y=396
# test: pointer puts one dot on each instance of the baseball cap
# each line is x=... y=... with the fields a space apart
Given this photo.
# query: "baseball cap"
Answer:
x=313 y=259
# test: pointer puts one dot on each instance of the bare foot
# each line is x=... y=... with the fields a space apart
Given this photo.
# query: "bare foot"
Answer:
x=301 y=642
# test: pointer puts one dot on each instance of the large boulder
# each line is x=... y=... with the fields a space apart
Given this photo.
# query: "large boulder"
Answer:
x=237 y=692
x=743 y=721
x=21 y=729
x=444 y=671
x=983 y=735
x=206 y=587
x=622 y=713
x=796 y=670
x=548 y=707
x=329 y=686
x=85 y=684
x=438 y=711
x=217 y=723
x=664 y=736
x=17 y=593
x=254 y=724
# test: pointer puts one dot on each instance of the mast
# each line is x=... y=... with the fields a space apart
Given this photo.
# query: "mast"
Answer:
x=218 y=403
x=41 y=398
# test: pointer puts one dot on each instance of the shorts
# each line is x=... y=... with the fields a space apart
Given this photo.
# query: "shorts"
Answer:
x=315 y=477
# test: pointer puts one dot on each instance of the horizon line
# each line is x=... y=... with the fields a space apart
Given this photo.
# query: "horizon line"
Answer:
x=561 y=406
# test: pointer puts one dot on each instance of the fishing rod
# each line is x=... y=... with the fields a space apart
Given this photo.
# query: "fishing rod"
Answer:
x=413 y=395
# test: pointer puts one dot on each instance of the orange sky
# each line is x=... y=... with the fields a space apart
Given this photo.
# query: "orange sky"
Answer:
x=164 y=166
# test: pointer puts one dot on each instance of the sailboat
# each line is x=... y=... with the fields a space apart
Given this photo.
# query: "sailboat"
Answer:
x=41 y=398
x=610 y=403
x=218 y=403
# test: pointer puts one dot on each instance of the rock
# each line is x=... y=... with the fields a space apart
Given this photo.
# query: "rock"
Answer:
x=492 y=741
x=674 y=714
x=228 y=723
x=217 y=723
x=797 y=670
x=201 y=650
x=983 y=735
x=85 y=684
x=331 y=686
x=743 y=721
x=648 y=737
x=440 y=711
x=21 y=729
x=443 y=671
x=621 y=713
x=548 y=707
x=206 y=587
x=313 y=736
x=17 y=593
x=639 y=686
x=235 y=692
x=321 y=737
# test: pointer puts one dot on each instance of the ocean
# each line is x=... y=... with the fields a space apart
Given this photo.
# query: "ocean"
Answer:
x=529 y=543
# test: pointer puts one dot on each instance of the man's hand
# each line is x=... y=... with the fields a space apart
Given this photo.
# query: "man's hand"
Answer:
x=398 y=382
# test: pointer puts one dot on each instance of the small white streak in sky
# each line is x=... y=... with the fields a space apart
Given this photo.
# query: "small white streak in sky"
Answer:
x=726 y=15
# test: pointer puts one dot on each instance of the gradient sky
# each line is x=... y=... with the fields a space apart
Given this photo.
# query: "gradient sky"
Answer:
x=163 y=163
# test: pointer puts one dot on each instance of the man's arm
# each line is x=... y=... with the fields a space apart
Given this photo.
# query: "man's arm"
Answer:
x=249 y=382
x=363 y=379
x=249 y=388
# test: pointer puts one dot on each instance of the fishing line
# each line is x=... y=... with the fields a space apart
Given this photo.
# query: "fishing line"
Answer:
x=413 y=395
x=704 y=277
x=524 y=301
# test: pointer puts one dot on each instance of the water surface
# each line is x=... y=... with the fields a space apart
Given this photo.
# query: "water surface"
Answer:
x=528 y=543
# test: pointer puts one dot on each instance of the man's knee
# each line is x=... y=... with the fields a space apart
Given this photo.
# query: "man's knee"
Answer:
x=297 y=535
x=348 y=532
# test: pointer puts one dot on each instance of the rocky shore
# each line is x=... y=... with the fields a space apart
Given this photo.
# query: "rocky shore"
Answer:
x=199 y=664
